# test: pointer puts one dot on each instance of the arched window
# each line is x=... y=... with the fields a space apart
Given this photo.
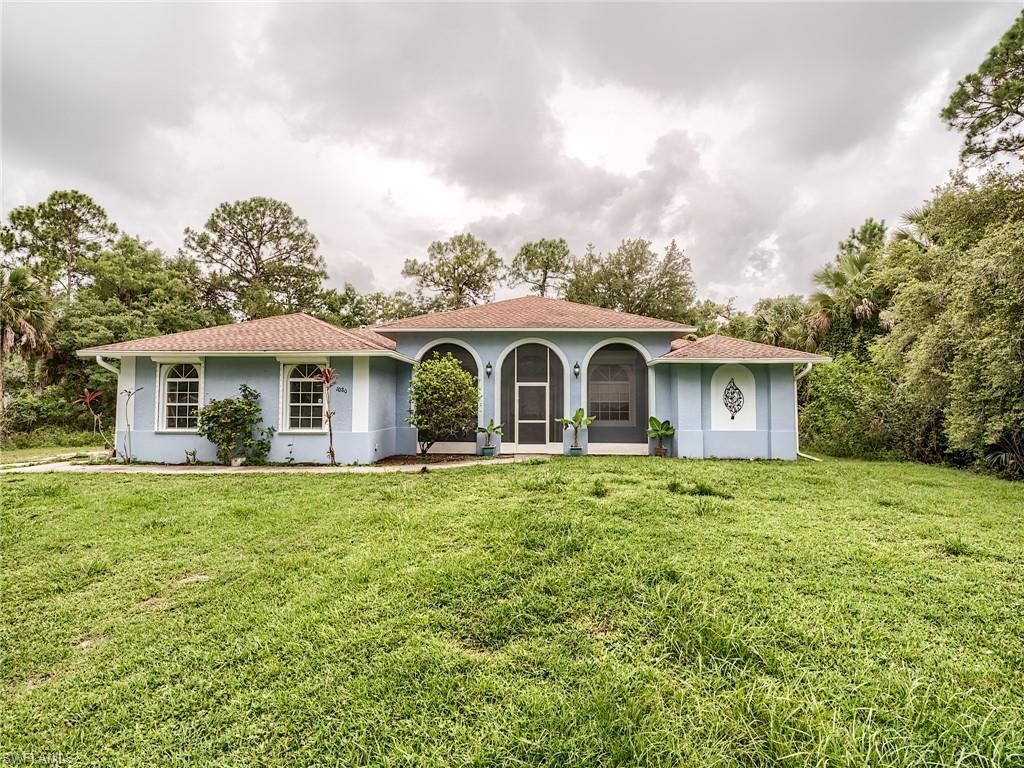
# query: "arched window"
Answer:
x=305 y=399
x=616 y=393
x=181 y=387
x=612 y=384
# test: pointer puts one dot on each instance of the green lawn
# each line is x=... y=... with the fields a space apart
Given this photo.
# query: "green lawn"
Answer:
x=580 y=612
x=15 y=455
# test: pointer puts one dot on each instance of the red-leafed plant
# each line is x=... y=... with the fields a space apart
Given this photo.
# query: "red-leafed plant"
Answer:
x=88 y=397
x=326 y=377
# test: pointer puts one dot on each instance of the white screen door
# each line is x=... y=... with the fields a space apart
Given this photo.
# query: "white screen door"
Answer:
x=532 y=414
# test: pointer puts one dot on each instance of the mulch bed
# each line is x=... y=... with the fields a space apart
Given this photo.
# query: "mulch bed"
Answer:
x=432 y=458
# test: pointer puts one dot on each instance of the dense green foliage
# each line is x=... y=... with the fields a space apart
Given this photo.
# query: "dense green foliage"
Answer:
x=261 y=257
x=542 y=265
x=634 y=278
x=444 y=400
x=457 y=273
x=988 y=104
x=57 y=238
x=25 y=322
x=233 y=425
x=579 y=612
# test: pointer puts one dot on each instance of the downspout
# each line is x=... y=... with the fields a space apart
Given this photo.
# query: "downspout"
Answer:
x=117 y=372
x=796 y=413
x=104 y=364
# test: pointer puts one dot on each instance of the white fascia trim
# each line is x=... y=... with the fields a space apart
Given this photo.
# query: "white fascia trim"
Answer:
x=535 y=330
x=250 y=353
x=740 y=360
x=299 y=359
x=175 y=359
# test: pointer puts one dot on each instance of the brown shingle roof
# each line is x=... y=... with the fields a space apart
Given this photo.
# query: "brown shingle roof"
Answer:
x=717 y=347
x=285 y=333
x=532 y=312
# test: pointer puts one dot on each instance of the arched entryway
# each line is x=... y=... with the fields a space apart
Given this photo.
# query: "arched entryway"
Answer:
x=462 y=442
x=616 y=395
x=532 y=394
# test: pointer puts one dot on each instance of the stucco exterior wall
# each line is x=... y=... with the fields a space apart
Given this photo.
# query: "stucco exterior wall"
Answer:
x=371 y=401
x=380 y=436
x=571 y=346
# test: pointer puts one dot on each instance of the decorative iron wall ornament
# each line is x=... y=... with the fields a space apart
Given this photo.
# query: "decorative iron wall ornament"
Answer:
x=732 y=397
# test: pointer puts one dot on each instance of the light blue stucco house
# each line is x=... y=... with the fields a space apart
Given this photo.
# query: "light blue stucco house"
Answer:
x=535 y=359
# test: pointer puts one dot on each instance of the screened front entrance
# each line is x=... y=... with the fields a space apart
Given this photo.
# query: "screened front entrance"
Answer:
x=532 y=397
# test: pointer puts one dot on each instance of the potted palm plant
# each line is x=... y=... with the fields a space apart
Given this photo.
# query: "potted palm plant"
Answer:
x=488 y=431
x=660 y=430
x=577 y=421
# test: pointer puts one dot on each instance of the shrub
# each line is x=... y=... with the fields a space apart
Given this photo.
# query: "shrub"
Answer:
x=444 y=400
x=231 y=425
x=848 y=408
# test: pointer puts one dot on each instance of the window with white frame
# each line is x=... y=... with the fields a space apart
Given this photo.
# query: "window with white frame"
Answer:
x=305 y=398
x=181 y=397
x=611 y=390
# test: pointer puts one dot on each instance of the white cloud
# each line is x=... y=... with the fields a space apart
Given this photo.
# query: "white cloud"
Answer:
x=755 y=135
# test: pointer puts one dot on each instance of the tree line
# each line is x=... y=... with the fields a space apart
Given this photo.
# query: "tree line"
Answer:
x=926 y=322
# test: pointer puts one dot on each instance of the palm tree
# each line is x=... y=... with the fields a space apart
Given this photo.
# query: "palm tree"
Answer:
x=781 y=322
x=847 y=290
x=25 y=318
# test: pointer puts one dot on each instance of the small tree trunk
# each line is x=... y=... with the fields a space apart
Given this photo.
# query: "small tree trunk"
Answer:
x=330 y=440
x=3 y=374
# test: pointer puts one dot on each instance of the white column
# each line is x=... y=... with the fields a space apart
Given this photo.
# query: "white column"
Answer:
x=360 y=394
x=125 y=380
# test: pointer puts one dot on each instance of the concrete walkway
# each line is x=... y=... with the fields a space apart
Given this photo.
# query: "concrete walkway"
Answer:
x=184 y=469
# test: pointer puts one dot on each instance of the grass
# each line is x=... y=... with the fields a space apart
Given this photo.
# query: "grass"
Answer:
x=17 y=455
x=576 y=612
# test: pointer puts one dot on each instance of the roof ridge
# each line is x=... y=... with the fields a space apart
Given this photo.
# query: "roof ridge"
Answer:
x=473 y=310
x=344 y=331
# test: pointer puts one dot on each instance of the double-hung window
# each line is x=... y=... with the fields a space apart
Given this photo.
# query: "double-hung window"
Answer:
x=304 y=399
x=612 y=392
x=181 y=397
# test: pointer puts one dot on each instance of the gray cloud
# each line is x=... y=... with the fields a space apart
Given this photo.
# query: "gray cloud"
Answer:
x=767 y=130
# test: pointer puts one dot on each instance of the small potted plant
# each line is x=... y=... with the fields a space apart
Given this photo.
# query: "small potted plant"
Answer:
x=660 y=430
x=488 y=431
x=577 y=421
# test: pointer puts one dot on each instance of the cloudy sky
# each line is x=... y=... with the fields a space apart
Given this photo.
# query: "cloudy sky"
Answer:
x=756 y=135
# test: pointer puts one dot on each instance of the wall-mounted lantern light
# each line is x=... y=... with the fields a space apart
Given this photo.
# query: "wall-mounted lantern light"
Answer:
x=488 y=369
x=576 y=370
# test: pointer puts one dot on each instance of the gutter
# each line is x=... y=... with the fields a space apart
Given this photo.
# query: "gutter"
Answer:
x=104 y=364
x=244 y=353
x=796 y=413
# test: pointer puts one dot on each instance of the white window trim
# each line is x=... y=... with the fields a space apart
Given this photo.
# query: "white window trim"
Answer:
x=160 y=406
x=283 y=421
